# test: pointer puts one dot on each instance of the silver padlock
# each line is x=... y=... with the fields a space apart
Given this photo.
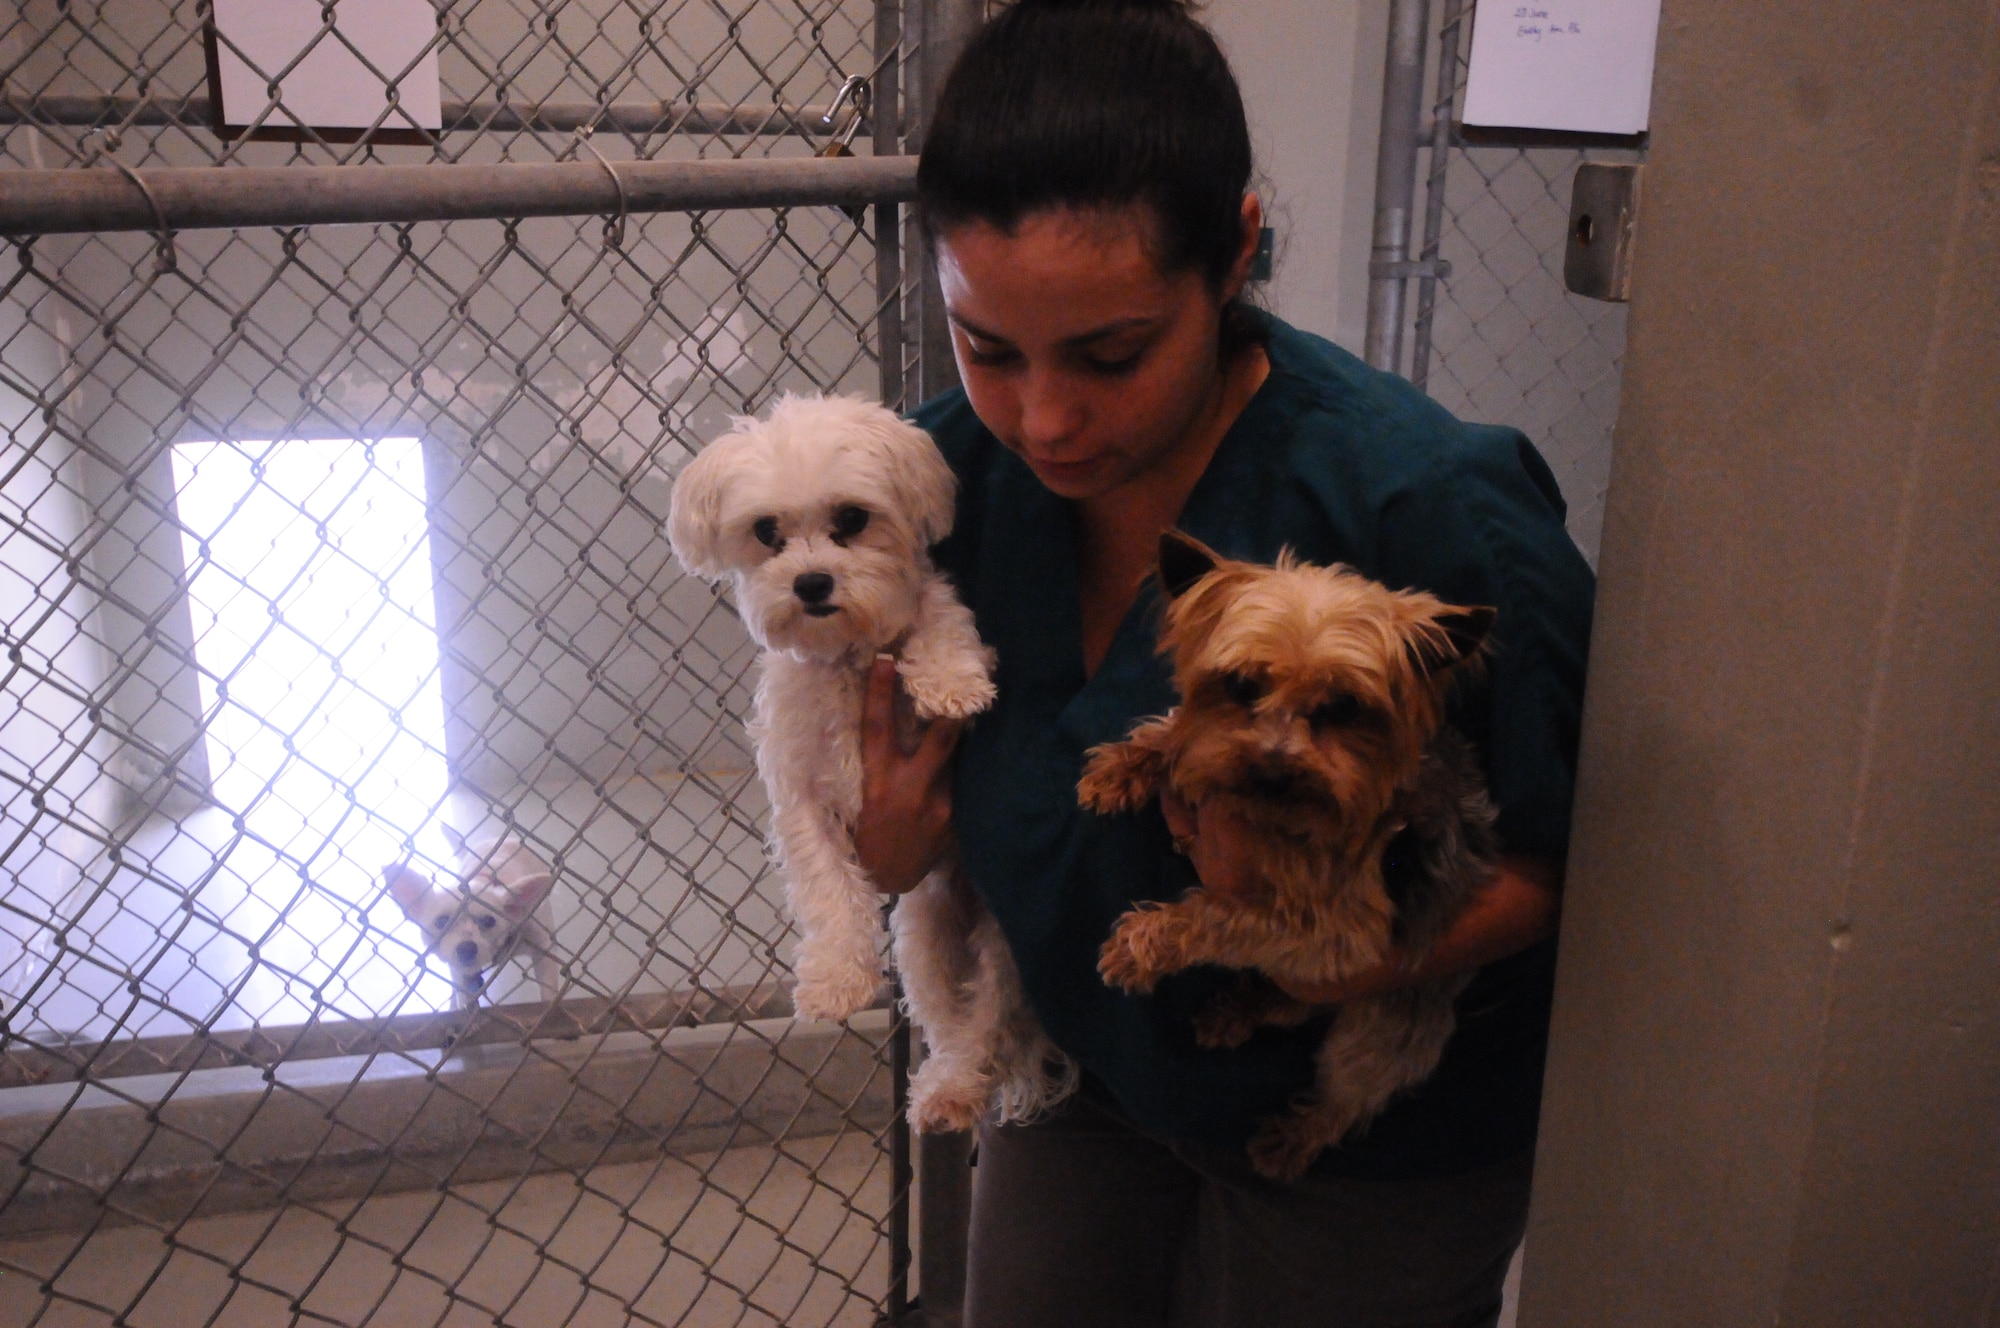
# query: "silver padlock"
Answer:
x=856 y=91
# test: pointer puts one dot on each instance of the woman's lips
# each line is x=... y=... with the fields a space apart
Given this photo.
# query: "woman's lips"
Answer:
x=1063 y=470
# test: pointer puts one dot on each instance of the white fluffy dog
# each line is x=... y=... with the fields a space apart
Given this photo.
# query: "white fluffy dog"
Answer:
x=823 y=516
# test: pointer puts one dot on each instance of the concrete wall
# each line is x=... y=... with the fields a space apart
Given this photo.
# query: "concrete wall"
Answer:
x=1775 y=1077
x=53 y=793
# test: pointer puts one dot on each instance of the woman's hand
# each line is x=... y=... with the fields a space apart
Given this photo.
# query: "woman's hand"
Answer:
x=1512 y=911
x=905 y=823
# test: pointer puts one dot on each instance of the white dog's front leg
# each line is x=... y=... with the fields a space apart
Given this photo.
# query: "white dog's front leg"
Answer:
x=837 y=909
x=949 y=997
x=946 y=670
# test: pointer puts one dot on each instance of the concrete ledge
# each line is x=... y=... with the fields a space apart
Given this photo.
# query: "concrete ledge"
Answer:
x=162 y=1148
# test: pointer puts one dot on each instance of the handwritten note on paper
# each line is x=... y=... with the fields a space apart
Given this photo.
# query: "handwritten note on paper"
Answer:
x=1579 y=65
x=333 y=86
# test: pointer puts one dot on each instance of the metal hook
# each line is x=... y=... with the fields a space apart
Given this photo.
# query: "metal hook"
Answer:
x=165 y=258
x=855 y=89
x=614 y=227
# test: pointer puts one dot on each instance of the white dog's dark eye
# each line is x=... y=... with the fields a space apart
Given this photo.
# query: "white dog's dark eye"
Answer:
x=486 y=921
x=765 y=528
x=443 y=921
x=848 y=522
x=1243 y=689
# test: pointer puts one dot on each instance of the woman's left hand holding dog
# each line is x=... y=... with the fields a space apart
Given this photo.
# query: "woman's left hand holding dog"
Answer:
x=1515 y=909
x=905 y=823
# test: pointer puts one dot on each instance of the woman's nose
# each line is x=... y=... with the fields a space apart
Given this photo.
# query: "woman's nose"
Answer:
x=1050 y=410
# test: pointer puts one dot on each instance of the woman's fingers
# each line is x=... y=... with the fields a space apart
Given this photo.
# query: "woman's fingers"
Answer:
x=940 y=739
x=905 y=821
x=878 y=710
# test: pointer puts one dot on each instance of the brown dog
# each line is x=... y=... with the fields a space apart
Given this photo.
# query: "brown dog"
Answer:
x=1313 y=710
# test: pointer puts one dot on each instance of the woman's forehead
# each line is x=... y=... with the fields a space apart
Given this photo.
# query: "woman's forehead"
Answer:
x=1058 y=274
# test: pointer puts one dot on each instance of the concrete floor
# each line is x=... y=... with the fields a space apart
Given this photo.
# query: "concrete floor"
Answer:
x=754 y=1236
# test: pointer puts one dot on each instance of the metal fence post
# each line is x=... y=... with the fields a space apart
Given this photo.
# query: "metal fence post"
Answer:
x=944 y=1175
x=1396 y=180
x=1444 y=100
x=944 y=28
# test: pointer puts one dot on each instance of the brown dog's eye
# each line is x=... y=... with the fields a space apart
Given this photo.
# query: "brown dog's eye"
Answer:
x=1243 y=689
x=848 y=522
x=1336 y=712
x=765 y=528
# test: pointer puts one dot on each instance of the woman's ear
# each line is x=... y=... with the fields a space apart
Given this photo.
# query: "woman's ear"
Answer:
x=1246 y=253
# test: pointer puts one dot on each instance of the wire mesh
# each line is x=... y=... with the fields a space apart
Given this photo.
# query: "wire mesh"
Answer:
x=315 y=541
x=1500 y=339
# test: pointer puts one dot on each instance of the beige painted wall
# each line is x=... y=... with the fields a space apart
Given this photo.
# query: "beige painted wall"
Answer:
x=1311 y=74
x=1775 y=1080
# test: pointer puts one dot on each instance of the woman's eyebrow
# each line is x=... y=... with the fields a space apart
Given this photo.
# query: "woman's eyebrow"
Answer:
x=1110 y=329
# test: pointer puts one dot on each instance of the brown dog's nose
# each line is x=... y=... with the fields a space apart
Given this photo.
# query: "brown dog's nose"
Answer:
x=1271 y=780
x=813 y=587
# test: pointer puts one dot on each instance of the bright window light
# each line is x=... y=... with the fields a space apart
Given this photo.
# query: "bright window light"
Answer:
x=309 y=576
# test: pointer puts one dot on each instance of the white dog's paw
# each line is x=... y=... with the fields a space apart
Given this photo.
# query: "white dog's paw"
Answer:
x=946 y=1104
x=834 y=993
x=949 y=693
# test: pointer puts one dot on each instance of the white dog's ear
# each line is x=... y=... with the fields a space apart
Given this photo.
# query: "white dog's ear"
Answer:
x=524 y=894
x=694 y=514
x=925 y=489
x=407 y=887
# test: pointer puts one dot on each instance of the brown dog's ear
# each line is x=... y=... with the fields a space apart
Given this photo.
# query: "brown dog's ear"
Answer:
x=1463 y=632
x=1184 y=560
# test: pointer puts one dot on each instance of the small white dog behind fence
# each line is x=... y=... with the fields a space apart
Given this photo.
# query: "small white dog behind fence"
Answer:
x=823 y=516
x=498 y=909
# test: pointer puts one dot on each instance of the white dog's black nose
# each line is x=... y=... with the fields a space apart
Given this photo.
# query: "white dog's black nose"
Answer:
x=467 y=952
x=813 y=587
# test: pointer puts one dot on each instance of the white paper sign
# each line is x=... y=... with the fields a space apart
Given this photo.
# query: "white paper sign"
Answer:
x=1579 y=65
x=331 y=88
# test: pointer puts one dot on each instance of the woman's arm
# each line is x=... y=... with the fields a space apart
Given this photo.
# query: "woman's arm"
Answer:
x=1512 y=911
x=905 y=822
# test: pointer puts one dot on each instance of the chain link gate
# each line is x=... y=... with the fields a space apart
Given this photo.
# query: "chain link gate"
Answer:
x=317 y=538
x=1492 y=332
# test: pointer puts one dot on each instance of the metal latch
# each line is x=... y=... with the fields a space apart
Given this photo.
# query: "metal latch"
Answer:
x=1603 y=223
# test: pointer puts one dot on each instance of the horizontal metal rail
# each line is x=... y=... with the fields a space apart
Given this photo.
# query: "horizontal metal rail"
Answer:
x=637 y=118
x=206 y=197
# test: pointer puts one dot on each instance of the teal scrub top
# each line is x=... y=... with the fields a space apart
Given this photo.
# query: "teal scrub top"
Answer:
x=1340 y=463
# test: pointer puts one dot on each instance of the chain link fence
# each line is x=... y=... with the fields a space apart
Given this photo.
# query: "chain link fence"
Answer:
x=318 y=540
x=1498 y=338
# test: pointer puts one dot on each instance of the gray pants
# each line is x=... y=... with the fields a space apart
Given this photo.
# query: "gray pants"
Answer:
x=1082 y=1220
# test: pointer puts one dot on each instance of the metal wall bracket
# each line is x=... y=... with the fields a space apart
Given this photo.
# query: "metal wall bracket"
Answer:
x=1603 y=223
x=1437 y=270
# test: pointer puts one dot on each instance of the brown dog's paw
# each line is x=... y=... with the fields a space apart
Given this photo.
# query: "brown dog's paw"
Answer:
x=1228 y=1022
x=1119 y=777
x=1284 y=1147
x=1144 y=947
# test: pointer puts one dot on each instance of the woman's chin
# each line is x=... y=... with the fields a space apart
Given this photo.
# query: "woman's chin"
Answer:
x=1071 y=479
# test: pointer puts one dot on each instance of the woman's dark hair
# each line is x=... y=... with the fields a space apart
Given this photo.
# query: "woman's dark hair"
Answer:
x=1096 y=104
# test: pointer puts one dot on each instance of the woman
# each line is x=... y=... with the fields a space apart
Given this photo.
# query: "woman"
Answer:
x=1086 y=182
